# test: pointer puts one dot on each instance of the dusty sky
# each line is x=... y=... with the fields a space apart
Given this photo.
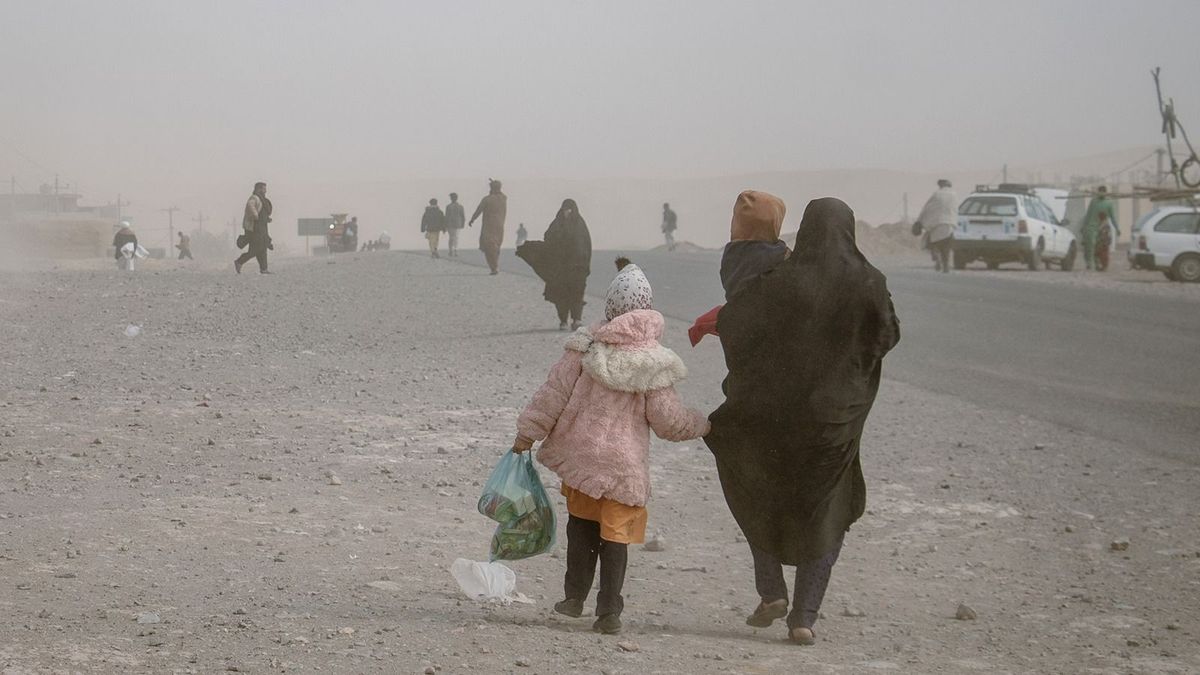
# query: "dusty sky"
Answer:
x=125 y=95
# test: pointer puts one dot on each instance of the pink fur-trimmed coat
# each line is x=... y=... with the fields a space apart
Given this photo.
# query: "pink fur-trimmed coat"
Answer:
x=613 y=384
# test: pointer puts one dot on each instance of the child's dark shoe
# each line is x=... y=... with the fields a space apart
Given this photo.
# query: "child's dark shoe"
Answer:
x=569 y=607
x=609 y=624
x=765 y=614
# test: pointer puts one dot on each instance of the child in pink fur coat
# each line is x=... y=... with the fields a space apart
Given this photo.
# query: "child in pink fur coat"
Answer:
x=613 y=385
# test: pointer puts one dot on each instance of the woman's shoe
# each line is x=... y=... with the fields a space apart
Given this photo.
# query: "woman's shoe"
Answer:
x=609 y=624
x=765 y=614
x=570 y=607
x=575 y=325
x=803 y=636
x=562 y=326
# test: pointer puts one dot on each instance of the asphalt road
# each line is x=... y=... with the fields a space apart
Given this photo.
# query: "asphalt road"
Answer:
x=1120 y=366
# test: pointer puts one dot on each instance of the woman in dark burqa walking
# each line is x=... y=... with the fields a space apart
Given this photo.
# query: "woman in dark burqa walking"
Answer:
x=568 y=259
x=803 y=343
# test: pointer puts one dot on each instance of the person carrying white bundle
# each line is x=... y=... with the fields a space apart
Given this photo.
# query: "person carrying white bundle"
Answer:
x=938 y=219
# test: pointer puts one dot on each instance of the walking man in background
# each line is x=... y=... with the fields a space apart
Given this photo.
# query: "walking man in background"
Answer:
x=254 y=223
x=185 y=247
x=938 y=218
x=494 y=209
x=669 y=224
x=432 y=224
x=456 y=219
x=522 y=234
x=1090 y=232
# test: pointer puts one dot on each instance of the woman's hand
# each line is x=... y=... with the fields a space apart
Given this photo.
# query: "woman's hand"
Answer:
x=521 y=444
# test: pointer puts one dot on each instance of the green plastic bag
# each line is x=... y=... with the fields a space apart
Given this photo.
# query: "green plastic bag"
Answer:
x=515 y=498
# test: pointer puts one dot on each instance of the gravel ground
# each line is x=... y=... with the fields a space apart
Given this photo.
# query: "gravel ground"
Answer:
x=276 y=472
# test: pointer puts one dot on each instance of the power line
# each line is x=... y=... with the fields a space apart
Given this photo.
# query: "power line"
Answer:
x=1121 y=171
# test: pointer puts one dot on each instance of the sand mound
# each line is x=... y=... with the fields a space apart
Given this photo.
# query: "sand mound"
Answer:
x=683 y=247
x=878 y=241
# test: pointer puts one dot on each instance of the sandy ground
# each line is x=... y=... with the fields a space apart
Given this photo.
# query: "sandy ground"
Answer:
x=275 y=474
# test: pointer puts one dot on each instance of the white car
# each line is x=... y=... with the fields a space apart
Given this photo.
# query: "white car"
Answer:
x=1011 y=224
x=1168 y=239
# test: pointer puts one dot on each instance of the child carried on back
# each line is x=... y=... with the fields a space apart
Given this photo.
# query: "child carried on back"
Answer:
x=613 y=385
x=754 y=247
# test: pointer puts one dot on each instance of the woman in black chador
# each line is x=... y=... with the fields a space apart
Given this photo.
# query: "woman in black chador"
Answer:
x=563 y=261
x=803 y=343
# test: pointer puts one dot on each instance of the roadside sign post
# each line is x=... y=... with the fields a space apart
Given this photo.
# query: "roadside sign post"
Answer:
x=312 y=227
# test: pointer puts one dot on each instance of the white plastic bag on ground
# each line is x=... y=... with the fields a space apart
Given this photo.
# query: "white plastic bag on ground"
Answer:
x=487 y=581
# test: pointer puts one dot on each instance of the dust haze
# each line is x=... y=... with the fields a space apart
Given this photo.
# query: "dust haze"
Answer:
x=375 y=107
x=204 y=468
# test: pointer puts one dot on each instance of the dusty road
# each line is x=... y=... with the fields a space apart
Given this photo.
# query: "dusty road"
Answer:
x=1116 y=355
x=275 y=473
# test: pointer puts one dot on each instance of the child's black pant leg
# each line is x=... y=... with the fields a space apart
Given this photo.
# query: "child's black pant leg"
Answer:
x=583 y=548
x=614 y=558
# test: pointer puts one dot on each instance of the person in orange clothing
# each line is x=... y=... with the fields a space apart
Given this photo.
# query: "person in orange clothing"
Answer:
x=754 y=247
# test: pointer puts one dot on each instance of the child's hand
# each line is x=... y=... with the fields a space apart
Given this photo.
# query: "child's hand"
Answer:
x=521 y=444
x=707 y=428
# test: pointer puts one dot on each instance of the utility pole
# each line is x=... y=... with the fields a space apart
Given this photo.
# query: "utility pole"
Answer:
x=120 y=205
x=170 y=211
x=1005 y=174
x=1160 y=152
x=1137 y=215
x=905 y=208
x=199 y=220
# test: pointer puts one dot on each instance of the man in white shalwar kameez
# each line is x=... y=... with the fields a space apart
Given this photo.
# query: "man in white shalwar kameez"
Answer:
x=938 y=218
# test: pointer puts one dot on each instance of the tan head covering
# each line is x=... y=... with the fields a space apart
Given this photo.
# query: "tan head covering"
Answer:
x=757 y=216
